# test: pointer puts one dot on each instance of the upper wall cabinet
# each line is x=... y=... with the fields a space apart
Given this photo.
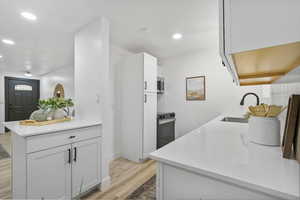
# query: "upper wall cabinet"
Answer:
x=259 y=39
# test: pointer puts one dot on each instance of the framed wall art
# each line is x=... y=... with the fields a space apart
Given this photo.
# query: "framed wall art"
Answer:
x=195 y=88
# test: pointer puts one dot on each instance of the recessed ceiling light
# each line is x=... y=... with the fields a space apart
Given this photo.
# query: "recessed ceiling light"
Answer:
x=8 y=41
x=28 y=74
x=29 y=16
x=177 y=36
x=1 y=56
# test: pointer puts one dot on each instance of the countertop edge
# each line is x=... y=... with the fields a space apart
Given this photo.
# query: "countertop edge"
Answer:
x=85 y=124
x=237 y=182
x=216 y=175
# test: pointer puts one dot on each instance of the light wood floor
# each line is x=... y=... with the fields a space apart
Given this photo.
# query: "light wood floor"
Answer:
x=126 y=176
x=5 y=168
x=5 y=141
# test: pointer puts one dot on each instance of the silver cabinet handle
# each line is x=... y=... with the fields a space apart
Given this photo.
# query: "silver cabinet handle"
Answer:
x=145 y=85
x=145 y=98
x=69 y=156
x=75 y=154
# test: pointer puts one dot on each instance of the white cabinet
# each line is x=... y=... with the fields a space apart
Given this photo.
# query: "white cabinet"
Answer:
x=178 y=183
x=85 y=165
x=247 y=26
x=58 y=165
x=150 y=73
x=138 y=106
x=149 y=136
x=258 y=24
x=49 y=174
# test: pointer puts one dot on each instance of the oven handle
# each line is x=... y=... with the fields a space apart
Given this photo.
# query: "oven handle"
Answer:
x=165 y=121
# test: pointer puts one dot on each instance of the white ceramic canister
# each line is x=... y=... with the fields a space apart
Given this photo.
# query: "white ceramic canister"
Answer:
x=264 y=130
x=58 y=114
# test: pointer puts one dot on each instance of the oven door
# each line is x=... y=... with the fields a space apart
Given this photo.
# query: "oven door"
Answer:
x=165 y=132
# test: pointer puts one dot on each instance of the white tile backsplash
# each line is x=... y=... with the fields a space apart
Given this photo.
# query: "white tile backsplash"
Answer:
x=280 y=94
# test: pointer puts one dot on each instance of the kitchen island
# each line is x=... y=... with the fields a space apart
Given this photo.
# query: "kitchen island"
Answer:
x=217 y=161
x=57 y=161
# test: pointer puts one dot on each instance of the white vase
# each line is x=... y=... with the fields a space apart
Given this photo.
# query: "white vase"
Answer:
x=39 y=115
x=58 y=114
x=264 y=130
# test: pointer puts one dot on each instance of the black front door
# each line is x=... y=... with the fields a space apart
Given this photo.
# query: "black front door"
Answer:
x=21 y=98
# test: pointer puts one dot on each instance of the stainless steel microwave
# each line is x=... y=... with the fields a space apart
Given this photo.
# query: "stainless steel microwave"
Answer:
x=160 y=85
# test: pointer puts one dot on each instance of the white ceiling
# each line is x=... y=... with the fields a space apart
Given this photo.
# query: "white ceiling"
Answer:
x=47 y=44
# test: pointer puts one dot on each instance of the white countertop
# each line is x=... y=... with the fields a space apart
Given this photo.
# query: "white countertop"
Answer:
x=222 y=150
x=26 y=131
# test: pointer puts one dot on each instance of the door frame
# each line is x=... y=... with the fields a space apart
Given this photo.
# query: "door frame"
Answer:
x=6 y=89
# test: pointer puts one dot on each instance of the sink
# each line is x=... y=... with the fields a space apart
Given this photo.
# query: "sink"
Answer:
x=234 y=119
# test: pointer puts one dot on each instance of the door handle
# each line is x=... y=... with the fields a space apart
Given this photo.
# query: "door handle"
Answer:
x=145 y=85
x=75 y=154
x=145 y=98
x=69 y=154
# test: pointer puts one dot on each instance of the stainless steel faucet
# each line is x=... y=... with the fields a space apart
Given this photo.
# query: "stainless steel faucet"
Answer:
x=250 y=93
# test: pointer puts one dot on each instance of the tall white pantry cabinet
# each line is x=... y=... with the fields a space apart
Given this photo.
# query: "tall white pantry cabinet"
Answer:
x=138 y=106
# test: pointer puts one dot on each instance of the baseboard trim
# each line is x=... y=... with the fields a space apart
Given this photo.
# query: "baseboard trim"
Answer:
x=105 y=183
x=116 y=156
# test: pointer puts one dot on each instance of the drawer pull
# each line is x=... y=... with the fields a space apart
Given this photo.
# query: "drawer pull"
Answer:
x=69 y=159
x=75 y=154
x=72 y=136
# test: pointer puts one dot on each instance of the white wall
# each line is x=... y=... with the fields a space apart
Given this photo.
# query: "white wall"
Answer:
x=117 y=57
x=92 y=84
x=64 y=76
x=222 y=95
x=89 y=53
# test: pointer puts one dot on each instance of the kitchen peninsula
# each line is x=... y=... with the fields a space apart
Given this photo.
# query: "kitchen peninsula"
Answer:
x=216 y=161
x=58 y=161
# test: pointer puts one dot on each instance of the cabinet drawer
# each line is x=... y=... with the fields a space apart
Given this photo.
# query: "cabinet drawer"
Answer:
x=46 y=141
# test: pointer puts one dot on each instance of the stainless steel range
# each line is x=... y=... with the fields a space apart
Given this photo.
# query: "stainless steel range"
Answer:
x=165 y=128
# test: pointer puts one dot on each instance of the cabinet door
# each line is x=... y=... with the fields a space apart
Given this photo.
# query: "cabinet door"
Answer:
x=258 y=24
x=149 y=132
x=150 y=73
x=86 y=165
x=49 y=174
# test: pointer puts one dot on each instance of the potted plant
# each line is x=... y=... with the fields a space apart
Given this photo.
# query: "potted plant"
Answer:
x=52 y=108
